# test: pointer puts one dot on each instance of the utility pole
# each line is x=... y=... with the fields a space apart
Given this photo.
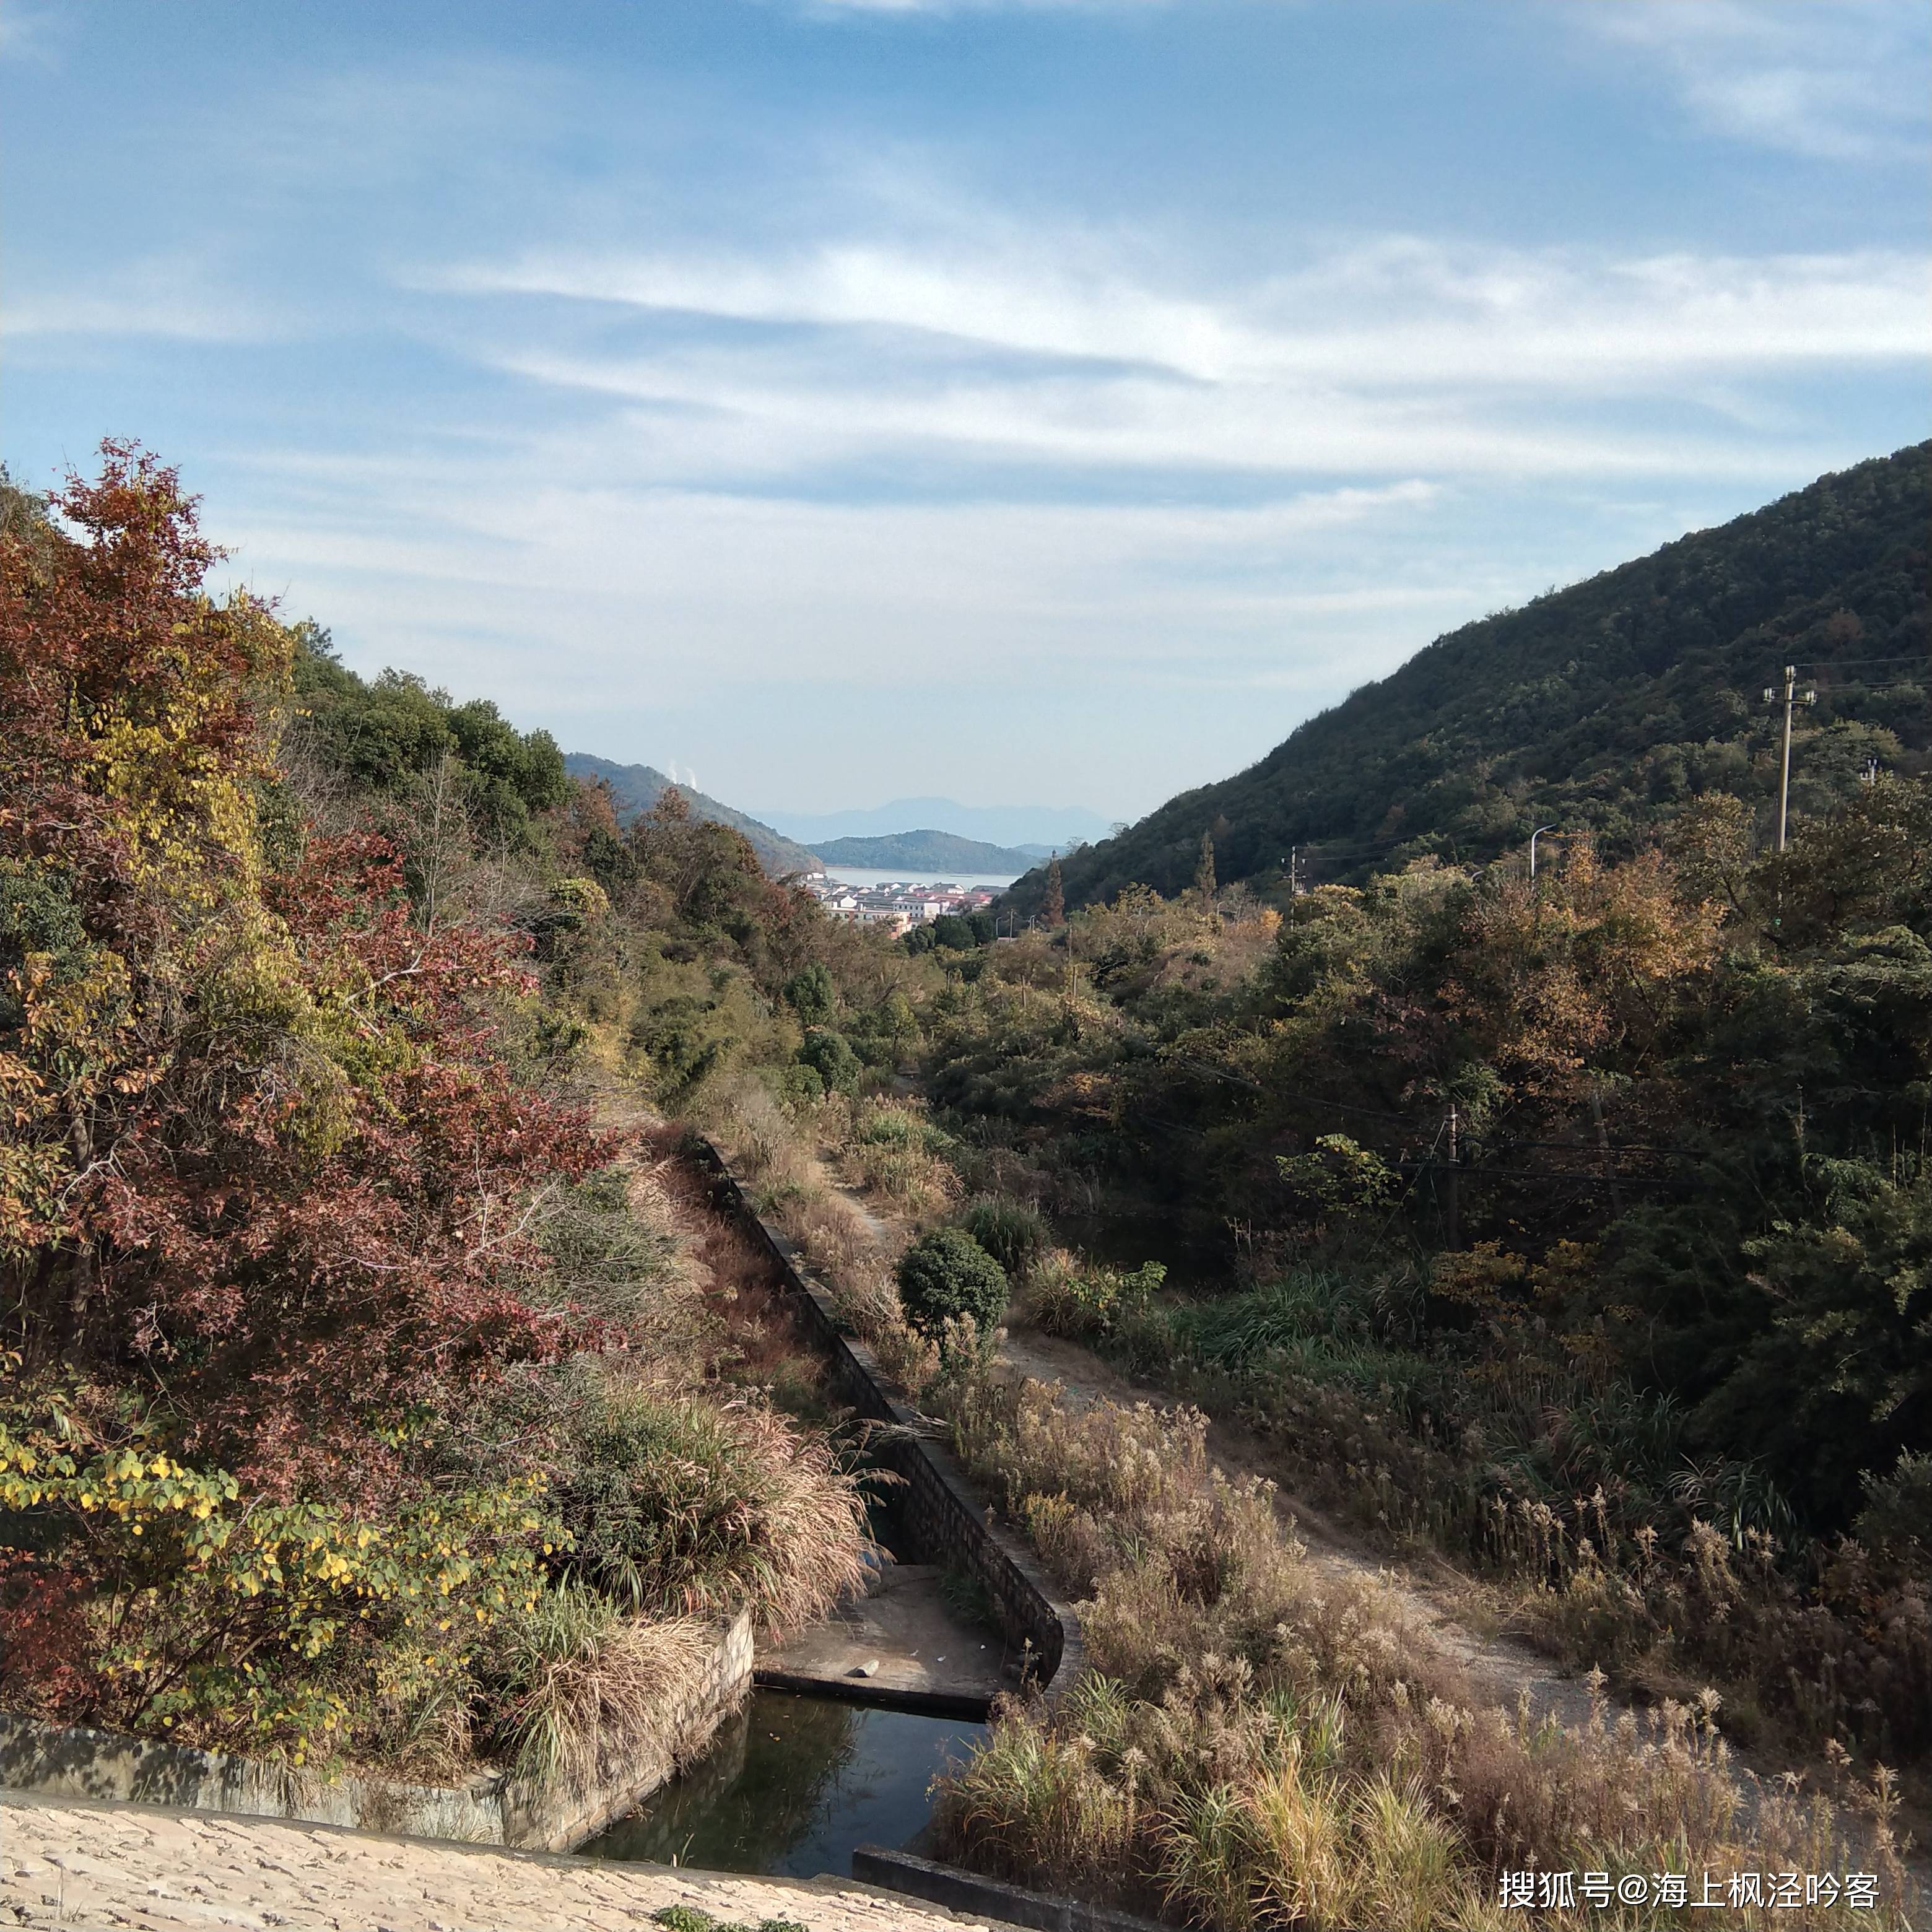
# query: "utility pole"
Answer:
x=1533 y=837
x=1453 y=1206
x=1790 y=698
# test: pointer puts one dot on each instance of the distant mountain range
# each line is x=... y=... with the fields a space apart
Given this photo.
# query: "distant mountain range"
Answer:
x=636 y=788
x=1605 y=708
x=1051 y=828
x=929 y=851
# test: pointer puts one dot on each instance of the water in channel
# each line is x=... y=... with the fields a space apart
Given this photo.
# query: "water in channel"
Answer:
x=791 y=1786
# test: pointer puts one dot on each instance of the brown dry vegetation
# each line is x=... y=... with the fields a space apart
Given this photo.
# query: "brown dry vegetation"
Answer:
x=1255 y=1744
x=1261 y=1746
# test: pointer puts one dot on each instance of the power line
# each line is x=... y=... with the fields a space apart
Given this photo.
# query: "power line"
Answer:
x=1848 y=664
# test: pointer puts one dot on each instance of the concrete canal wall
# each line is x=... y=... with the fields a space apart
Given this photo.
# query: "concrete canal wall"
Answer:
x=75 y=1762
x=945 y=1520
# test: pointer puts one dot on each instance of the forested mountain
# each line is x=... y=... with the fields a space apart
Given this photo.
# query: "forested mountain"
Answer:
x=636 y=788
x=1606 y=706
x=928 y=851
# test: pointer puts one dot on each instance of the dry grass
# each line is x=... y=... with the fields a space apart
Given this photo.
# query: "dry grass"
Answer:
x=895 y=1154
x=1260 y=1748
x=580 y=1686
x=850 y=1248
x=1255 y=1747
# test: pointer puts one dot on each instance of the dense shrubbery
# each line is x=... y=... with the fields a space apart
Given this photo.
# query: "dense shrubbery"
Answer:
x=1686 y=1094
x=946 y=1275
x=1014 y=1233
x=309 y=1255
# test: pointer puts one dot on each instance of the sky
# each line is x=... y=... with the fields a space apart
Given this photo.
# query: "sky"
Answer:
x=834 y=400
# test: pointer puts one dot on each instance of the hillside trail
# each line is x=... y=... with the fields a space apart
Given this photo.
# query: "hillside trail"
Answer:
x=1443 y=1612
x=1438 y=1607
x=1442 y=1608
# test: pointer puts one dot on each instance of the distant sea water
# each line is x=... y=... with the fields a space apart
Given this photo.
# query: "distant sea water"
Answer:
x=863 y=876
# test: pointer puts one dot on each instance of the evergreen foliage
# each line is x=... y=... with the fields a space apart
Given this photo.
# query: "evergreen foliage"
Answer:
x=947 y=1274
x=1607 y=707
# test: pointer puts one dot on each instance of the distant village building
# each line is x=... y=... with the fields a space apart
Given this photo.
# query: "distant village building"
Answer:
x=899 y=904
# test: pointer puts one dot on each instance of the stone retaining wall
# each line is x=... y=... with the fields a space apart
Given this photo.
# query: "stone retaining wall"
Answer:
x=75 y=1763
x=947 y=1521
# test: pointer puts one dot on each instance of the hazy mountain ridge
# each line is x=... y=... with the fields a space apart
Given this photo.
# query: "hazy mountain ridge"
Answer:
x=1605 y=706
x=926 y=849
x=636 y=788
x=1050 y=827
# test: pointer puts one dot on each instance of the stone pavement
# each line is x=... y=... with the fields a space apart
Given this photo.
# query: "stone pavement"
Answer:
x=66 y=1864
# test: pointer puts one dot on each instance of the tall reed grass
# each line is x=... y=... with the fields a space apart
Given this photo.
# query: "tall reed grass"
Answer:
x=1260 y=1747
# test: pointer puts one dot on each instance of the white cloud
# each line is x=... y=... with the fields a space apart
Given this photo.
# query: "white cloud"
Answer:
x=1387 y=355
x=1841 y=80
x=182 y=297
x=27 y=33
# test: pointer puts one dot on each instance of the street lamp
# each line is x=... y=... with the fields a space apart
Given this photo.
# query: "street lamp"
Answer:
x=1533 y=837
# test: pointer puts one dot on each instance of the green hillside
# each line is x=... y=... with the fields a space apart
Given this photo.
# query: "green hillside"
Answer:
x=1606 y=705
x=927 y=850
x=636 y=788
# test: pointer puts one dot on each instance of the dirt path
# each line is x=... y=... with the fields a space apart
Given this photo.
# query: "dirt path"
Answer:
x=1435 y=1606
x=1442 y=1610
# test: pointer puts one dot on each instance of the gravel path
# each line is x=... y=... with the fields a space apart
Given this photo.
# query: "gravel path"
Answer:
x=95 y=1866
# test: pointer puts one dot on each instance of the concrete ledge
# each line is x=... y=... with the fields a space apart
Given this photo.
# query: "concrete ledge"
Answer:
x=863 y=1690
x=73 y=1762
x=947 y=1518
x=967 y=1892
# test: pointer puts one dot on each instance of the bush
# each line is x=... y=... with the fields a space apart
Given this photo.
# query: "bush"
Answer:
x=1089 y=1303
x=1014 y=1233
x=795 y=1087
x=947 y=1273
x=679 y=1506
x=829 y=1055
x=1897 y=1519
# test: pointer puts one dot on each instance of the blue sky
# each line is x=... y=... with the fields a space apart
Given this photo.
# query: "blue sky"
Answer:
x=1018 y=401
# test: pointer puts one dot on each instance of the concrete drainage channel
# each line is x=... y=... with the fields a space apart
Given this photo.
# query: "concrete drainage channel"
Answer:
x=945 y=1524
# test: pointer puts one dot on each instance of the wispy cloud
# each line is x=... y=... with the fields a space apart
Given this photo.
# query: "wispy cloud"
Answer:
x=1842 y=80
x=27 y=32
x=1388 y=354
x=180 y=297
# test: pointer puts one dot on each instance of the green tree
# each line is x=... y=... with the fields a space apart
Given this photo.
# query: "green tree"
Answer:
x=830 y=1054
x=1203 y=870
x=947 y=1274
x=810 y=994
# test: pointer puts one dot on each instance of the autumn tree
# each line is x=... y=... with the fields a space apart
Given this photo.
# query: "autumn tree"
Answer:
x=263 y=1194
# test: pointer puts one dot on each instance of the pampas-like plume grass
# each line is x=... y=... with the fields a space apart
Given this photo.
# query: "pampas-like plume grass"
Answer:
x=1269 y=1749
x=579 y=1685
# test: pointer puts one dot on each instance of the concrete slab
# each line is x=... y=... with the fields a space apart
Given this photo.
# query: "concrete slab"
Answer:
x=900 y=1644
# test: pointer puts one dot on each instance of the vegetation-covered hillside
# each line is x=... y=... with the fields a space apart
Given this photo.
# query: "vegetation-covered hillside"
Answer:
x=637 y=788
x=363 y=1397
x=927 y=850
x=1605 y=707
x=358 y=1397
